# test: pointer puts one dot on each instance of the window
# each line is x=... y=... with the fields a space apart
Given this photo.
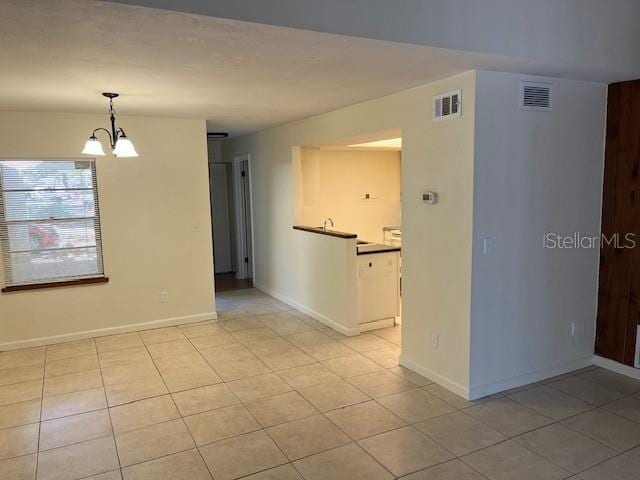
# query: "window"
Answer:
x=49 y=222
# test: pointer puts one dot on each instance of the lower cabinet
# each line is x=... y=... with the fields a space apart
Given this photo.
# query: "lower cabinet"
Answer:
x=378 y=288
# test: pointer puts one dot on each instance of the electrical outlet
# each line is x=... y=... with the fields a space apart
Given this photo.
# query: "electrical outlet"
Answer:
x=164 y=297
x=435 y=340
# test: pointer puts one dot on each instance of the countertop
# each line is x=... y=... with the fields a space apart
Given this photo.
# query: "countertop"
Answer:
x=362 y=248
x=322 y=231
x=371 y=248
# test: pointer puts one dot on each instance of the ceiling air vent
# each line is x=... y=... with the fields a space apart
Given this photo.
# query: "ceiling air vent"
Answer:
x=446 y=105
x=535 y=96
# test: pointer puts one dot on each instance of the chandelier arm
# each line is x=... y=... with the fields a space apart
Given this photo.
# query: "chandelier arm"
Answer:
x=112 y=142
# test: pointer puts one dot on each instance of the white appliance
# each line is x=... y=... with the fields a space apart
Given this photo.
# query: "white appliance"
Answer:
x=392 y=236
x=378 y=290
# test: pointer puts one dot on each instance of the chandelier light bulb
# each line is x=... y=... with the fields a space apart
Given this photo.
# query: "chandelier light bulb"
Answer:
x=124 y=148
x=93 y=147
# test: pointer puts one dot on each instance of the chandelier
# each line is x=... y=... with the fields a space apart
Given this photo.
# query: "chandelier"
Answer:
x=120 y=145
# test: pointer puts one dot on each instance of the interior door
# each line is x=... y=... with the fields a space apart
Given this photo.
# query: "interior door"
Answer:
x=220 y=217
x=619 y=281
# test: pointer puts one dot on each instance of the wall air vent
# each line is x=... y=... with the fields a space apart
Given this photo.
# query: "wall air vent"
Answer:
x=447 y=105
x=535 y=96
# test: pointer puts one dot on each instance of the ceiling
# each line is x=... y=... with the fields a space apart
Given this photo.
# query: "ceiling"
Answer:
x=59 y=55
x=592 y=40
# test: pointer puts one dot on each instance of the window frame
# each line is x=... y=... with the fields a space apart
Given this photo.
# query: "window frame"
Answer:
x=97 y=278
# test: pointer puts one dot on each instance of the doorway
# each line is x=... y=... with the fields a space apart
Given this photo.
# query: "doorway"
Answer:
x=230 y=196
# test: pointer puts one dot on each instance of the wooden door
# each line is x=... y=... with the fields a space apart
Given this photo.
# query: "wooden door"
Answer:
x=619 y=289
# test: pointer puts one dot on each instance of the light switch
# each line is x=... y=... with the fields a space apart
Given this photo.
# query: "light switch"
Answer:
x=487 y=245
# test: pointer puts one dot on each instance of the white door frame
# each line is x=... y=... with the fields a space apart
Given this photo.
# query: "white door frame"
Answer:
x=243 y=271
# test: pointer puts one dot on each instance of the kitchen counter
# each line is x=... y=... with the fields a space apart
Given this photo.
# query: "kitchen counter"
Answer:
x=322 y=231
x=363 y=276
x=367 y=248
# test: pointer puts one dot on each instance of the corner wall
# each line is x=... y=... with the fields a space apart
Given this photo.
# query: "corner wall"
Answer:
x=436 y=239
x=156 y=230
x=535 y=173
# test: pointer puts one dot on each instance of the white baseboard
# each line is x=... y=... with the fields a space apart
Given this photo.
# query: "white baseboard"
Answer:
x=485 y=390
x=616 y=367
x=100 y=332
x=527 y=378
x=387 y=322
x=435 y=377
x=312 y=313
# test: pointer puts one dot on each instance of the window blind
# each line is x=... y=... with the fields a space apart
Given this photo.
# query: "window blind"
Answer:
x=49 y=221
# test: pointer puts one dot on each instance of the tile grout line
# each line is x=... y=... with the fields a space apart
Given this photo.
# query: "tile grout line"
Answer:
x=592 y=408
x=264 y=429
x=554 y=422
x=324 y=414
x=203 y=357
x=624 y=395
x=158 y=423
x=356 y=441
x=44 y=368
x=182 y=417
x=168 y=393
x=512 y=438
x=106 y=402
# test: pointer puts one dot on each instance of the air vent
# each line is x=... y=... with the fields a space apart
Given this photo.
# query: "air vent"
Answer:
x=535 y=96
x=446 y=105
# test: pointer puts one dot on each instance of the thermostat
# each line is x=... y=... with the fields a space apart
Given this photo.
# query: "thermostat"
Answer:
x=430 y=197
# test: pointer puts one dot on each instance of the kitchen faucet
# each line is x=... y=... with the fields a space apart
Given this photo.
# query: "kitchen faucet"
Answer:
x=324 y=225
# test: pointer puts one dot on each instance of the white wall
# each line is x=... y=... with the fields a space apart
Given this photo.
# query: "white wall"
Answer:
x=535 y=172
x=149 y=206
x=334 y=183
x=335 y=306
x=436 y=239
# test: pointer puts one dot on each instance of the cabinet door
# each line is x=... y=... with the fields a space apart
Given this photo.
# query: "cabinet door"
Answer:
x=377 y=287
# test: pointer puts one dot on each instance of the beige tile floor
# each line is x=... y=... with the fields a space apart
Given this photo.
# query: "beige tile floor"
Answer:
x=268 y=393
